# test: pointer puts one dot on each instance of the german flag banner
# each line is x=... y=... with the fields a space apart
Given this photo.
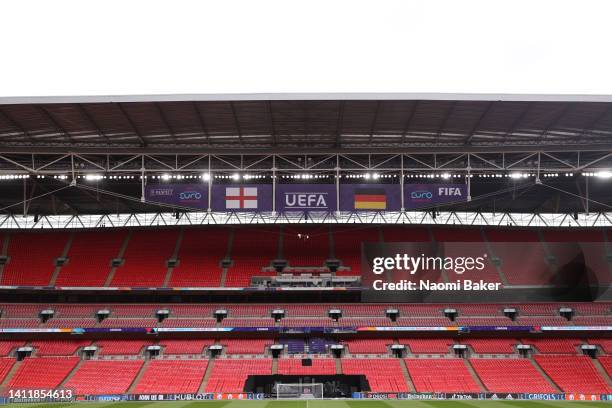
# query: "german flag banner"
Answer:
x=370 y=197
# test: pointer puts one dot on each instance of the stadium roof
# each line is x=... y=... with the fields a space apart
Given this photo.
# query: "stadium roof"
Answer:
x=325 y=122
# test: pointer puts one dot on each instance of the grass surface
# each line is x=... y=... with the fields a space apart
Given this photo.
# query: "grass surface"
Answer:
x=327 y=404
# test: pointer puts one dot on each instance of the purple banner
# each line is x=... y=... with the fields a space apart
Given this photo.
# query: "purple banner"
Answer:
x=184 y=195
x=242 y=197
x=426 y=195
x=370 y=197
x=306 y=197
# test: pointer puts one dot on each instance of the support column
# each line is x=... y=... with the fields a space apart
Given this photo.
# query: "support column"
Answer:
x=337 y=185
x=402 y=183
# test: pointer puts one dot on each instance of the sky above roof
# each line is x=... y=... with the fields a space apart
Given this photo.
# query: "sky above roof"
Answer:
x=118 y=47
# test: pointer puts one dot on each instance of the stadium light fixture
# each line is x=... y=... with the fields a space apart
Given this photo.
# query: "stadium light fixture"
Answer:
x=603 y=174
x=206 y=176
x=236 y=176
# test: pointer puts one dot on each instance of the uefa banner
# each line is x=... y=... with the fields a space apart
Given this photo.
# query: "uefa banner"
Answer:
x=306 y=197
x=370 y=197
x=241 y=197
x=184 y=195
x=427 y=195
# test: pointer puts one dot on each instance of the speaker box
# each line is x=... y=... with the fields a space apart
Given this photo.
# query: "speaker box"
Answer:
x=306 y=362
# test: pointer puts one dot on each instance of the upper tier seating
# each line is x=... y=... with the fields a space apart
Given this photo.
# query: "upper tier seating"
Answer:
x=104 y=376
x=573 y=374
x=510 y=375
x=384 y=375
x=200 y=255
x=441 y=375
x=171 y=376
x=32 y=256
x=306 y=246
x=90 y=258
x=252 y=250
x=145 y=258
x=525 y=267
x=347 y=245
x=230 y=375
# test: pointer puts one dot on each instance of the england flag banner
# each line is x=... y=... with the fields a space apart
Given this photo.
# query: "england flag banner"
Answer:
x=242 y=197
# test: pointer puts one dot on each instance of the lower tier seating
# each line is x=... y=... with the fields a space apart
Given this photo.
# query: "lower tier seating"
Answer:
x=230 y=375
x=573 y=374
x=441 y=375
x=384 y=375
x=104 y=376
x=42 y=373
x=510 y=375
x=171 y=376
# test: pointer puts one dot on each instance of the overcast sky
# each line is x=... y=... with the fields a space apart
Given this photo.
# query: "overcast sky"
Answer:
x=113 y=47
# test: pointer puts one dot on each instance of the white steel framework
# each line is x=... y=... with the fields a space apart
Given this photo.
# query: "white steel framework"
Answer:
x=164 y=219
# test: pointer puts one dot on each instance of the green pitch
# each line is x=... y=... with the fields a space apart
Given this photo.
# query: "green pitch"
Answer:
x=325 y=404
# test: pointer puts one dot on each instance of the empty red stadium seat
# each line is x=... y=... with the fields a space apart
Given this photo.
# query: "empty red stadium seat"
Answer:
x=573 y=374
x=104 y=377
x=171 y=376
x=441 y=375
x=90 y=258
x=42 y=373
x=368 y=346
x=252 y=250
x=58 y=347
x=510 y=375
x=32 y=256
x=321 y=366
x=384 y=375
x=6 y=364
x=145 y=258
x=200 y=255
x=184 y=346
x=428 y=346
x=230 y=375
x=119 y=347
x=305 y=245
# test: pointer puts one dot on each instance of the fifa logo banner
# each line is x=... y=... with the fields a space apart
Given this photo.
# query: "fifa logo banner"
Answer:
x=306 y=197
x=242 y=197
x=183 y=195
x=370 y=197
x=425 y=195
